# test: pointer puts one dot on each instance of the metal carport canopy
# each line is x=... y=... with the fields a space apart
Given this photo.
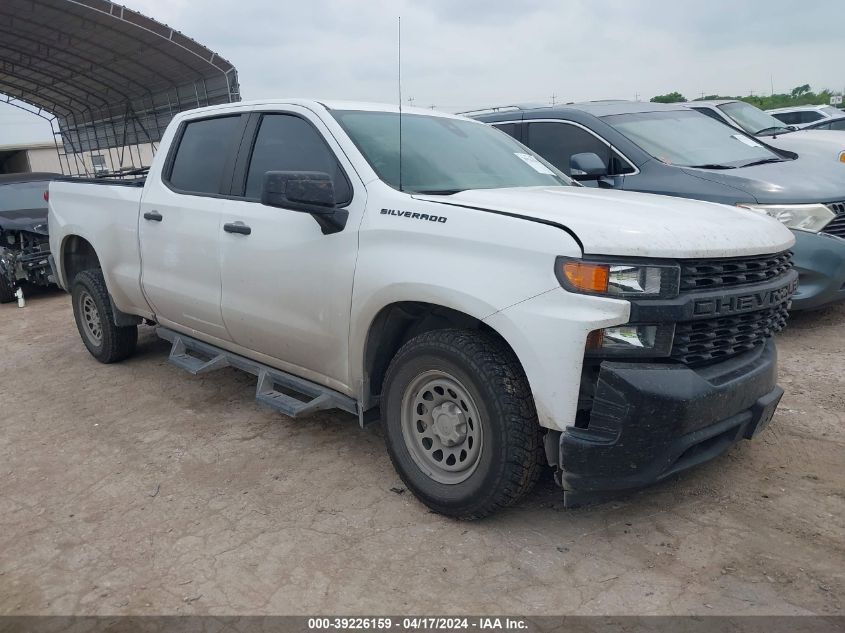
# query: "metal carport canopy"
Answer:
x=109 y=76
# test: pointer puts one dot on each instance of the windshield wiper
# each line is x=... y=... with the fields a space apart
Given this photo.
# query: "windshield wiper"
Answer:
x=776 y=130
x=440 y=192
x=764 y=161
x=713 y=166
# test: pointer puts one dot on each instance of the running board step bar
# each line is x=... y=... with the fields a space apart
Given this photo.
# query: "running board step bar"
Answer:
x=293 y=396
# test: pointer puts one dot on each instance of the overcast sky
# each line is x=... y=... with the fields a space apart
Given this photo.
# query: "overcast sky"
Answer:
x=460 y=54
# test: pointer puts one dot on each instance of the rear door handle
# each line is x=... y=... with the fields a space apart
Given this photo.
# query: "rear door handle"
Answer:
x=153 y=216
x=237 y=227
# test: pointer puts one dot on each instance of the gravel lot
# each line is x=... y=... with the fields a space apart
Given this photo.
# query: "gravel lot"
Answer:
x=139 y=489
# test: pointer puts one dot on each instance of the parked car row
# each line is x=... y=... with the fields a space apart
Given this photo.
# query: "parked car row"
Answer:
x=639 y=147
x=675 y=150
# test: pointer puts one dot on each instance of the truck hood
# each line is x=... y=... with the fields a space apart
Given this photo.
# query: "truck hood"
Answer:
x=611 y=222
x=809 y=178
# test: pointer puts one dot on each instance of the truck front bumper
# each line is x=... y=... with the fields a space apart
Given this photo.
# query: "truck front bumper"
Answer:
x=650 y=421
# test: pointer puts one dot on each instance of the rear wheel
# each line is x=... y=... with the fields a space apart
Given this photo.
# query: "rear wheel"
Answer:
x=105 y=341
x=460 y=424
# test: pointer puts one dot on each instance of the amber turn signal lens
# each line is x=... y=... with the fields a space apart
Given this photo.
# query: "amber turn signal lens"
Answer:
x=842 y=157
x=587 y=277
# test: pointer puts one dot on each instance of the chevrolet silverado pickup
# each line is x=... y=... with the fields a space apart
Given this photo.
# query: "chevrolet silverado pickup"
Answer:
x=432 y=272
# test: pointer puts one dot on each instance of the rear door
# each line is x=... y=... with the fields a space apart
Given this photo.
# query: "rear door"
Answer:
x=287 y=288
x=179 y=226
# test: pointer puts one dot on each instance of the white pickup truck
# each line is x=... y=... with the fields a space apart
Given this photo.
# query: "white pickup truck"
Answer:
x=495 y=315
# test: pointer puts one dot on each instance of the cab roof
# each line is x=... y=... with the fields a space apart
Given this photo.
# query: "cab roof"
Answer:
x=321 y=104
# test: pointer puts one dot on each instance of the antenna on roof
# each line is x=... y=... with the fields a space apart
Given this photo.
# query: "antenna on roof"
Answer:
x=399 y=68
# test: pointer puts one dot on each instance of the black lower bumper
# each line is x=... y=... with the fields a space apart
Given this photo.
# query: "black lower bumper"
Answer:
x=650 y=421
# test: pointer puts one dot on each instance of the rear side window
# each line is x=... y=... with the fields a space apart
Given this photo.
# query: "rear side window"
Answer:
x=798 y=118
x=558 y=142
x=204 y=150
x=809 y=116
x=289 y=143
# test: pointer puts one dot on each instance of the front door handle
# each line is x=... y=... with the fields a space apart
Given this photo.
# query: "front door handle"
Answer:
x=237 y=227
x=153 y=216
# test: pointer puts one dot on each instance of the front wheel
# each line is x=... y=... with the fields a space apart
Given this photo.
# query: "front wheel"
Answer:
x=107 y=342
x=460 y=424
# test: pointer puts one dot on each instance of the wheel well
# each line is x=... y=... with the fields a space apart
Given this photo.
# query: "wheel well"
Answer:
x=77 y=255
x=398 y=323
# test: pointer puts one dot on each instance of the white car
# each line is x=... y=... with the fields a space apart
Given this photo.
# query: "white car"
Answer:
x=493 y=313
x=803 y=116
x=823 y=143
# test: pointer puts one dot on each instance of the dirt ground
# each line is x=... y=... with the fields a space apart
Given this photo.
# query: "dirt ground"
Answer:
x=139 y=489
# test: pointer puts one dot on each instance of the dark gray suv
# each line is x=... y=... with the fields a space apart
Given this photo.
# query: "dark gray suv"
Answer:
x=676 y=151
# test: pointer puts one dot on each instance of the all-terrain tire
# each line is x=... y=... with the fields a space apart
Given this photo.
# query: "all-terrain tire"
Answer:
x=107 y=342
x=7 y=294
x=480 y=367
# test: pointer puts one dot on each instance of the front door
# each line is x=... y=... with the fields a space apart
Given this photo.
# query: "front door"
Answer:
x=287 y=288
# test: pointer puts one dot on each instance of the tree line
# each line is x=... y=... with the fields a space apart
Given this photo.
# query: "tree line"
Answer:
x=800 y=95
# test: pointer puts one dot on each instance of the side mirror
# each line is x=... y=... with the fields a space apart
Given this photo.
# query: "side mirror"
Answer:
x=587 y=166
x=307 y=191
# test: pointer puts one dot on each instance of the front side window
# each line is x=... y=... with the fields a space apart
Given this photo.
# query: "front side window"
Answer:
x=203 y=151
x=687 y=139
x=511 y=129
x=751 y=119
x=288 y=143
x=790 y=118
x=710 y=113
x=443 y=155
x=558 y=142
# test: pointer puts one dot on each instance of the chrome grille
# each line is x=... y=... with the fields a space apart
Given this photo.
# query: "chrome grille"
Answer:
x=704 y=274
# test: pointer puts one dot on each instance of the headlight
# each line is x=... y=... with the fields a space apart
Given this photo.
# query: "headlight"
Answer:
x=618 y=279
x=640 y=339
x=802 y=217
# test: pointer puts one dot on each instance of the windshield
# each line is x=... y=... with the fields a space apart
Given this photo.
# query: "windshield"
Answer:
x=690 y=139
x=751 y=119
x=442 y=155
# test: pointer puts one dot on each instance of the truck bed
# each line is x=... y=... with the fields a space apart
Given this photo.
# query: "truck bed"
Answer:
x=102 y=212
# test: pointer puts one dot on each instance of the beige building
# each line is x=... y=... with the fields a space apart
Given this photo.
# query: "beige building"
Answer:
x=43 y=157
x=25 y=157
